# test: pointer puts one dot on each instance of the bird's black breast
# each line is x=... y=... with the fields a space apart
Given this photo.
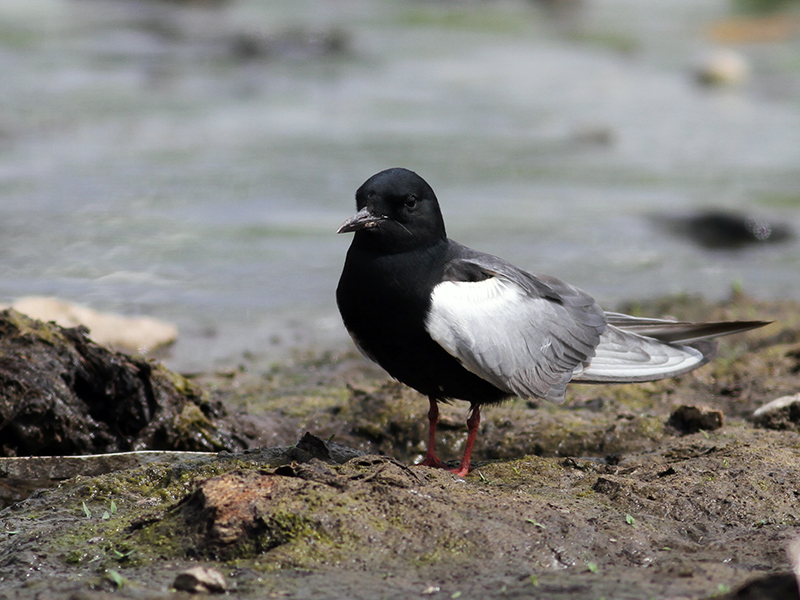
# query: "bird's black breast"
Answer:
x=384 y=300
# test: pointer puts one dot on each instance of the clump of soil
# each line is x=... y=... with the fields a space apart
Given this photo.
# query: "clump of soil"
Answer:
x=691 y=419
x=62 y=394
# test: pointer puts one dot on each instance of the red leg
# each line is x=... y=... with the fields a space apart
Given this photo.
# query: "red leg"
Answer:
x=431 y=460
x=472 y=431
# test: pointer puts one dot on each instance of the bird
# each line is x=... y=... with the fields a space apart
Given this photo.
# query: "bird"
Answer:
x=458 y=324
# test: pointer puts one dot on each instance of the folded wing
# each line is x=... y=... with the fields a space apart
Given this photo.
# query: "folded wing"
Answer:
x=523 y=334
x=531 y=335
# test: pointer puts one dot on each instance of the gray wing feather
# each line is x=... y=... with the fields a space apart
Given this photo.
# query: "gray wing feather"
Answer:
x=679 y=331
x=524 y=334
x=625 y=357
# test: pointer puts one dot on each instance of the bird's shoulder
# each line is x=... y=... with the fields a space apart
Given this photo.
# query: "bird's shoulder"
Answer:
x=463 y=264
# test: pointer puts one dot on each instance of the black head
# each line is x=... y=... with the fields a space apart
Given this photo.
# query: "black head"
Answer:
x=397 y=211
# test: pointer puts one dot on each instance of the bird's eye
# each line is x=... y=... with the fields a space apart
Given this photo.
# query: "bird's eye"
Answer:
x=411 y=201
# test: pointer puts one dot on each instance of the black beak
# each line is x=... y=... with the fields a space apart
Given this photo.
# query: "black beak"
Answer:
x=363 y=219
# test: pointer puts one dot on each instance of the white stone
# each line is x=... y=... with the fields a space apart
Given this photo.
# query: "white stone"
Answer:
x=776 y=404
x=722 y=67
x=140 y=335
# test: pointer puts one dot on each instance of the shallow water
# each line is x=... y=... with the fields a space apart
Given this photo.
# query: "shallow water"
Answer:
x=146 y=169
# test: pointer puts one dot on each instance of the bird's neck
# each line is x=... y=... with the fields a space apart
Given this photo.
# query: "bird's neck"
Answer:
x=372 y=242
x=412 y=272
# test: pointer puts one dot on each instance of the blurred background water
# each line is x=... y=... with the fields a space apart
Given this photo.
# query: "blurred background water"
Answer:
x=192 y=161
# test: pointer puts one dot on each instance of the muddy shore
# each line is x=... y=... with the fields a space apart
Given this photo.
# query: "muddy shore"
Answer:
x=621 y=493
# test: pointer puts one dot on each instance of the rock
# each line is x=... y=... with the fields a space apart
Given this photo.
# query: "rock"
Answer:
x=794 y=558
x=722 y=67
x=782 y=414
x=608 y=486
x=691 y=419
x=139 y=335
x=594 y=135
x=726 y=230
x=200 y=580
x=290 y=43
x=307 y=448
x=775 y=586
x=62 y=394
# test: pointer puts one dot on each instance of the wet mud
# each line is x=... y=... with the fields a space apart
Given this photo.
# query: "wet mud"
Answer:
x=662 y=490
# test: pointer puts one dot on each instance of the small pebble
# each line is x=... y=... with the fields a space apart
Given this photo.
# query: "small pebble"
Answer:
x=691 y=419
x=782 y=414
x=722 y=67
x=200 y=580
x=777 y=404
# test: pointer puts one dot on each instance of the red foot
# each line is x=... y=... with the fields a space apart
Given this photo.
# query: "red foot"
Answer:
x=460 y=471
x=431 y=460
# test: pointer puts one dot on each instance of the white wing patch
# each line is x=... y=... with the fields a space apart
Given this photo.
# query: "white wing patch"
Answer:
x=520 y=343
x=457 y=304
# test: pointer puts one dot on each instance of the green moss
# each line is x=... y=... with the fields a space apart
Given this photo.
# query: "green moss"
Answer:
x=178 y=382
x=139 y=495
x=25 y=326
x=447 y=548
x=285 y=527
x=192 y=423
